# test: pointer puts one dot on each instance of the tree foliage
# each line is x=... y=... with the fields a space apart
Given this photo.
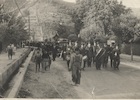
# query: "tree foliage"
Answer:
x=104 y=17
x=12 y=29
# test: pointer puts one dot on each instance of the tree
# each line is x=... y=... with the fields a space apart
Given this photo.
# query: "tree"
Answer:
x=104 y=17
x=125 y=27
x=12 y=29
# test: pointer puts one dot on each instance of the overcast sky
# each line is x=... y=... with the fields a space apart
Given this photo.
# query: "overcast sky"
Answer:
x=128 y=3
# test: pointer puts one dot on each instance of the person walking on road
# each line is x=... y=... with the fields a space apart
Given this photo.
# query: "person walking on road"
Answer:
x=105 y=56
x=89 y=55
x=46 y=60
x=99 y=56
x=38 y=59
x=116 y=57
x=68 y=60
x=64 y=48
x=113 y=46
x=94 y=53
x=83 y=52
x=10 y=51
x=54 y=52
x=75 y=64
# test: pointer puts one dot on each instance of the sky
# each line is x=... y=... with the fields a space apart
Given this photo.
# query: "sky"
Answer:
x=131 y=3
x=69 y=0
x=128 y=3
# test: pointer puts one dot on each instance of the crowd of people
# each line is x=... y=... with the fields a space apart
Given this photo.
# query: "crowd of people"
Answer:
x=44 y=54
x=78 y=57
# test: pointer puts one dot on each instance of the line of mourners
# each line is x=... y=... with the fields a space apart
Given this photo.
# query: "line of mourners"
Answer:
x=78 y=57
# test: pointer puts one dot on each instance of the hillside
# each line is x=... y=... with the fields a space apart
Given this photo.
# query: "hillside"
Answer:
x=12 y=4
x=51 y=14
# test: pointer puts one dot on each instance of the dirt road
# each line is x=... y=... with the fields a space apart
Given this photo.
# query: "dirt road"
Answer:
x=103 y=84
x=55 y=83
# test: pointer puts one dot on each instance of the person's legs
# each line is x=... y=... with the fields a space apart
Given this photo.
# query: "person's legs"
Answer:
x=118 y=63
x=53 y=57
x=36 y=67
x=43 y=65
x=8 y=55
x=46 y=66
x=84 y=65
x=93 y=59
x=39 y=67
x=74 y=74
x=63 y=55
x=106 y=61
x=78 y=76
x=97 y=65
x=68 y=63
x=11 y=56
x=90 y=60
x=114 y=63
x=49 y=63
x=111 y=62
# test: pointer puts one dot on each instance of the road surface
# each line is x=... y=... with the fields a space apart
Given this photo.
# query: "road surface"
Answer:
x=101 y=84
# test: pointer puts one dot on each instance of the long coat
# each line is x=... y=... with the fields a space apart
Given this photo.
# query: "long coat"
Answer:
x=76 y=67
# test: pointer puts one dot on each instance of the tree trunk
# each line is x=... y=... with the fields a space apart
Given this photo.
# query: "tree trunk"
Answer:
x=131 y=51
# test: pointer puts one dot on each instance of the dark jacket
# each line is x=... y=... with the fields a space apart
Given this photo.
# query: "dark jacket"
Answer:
x=45 y=56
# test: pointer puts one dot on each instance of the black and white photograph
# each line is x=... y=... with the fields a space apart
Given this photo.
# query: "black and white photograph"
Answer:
x=70 y=49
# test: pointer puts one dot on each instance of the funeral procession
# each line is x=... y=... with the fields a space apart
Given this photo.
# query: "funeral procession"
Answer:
x=70 y=49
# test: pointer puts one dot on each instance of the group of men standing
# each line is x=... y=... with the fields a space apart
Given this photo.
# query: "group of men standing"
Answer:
x=43 y=55
x=78 y=57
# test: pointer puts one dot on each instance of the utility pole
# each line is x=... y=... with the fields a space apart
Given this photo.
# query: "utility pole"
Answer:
x=131 y=51
x=131 y=48
x=29 y=23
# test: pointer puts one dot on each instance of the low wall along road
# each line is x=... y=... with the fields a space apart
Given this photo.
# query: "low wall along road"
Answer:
x=7 y=71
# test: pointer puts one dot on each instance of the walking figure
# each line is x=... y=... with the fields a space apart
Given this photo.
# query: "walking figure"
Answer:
x=111 y=53
x=76 y=61
x=106 y=55
x=83 y=52
x=46 y=60
x=10 y=51
x=116 y=58
x=99 y=57
x=89 y=55
x=54 y=52
x=68 y=60
x=38 y=59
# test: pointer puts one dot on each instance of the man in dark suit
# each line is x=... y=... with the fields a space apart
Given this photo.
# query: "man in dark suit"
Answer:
x=54 y=52
x=111 y=53
x=99 y=57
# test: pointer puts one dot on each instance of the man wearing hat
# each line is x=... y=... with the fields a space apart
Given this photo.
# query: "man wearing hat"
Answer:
x=99 y=56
